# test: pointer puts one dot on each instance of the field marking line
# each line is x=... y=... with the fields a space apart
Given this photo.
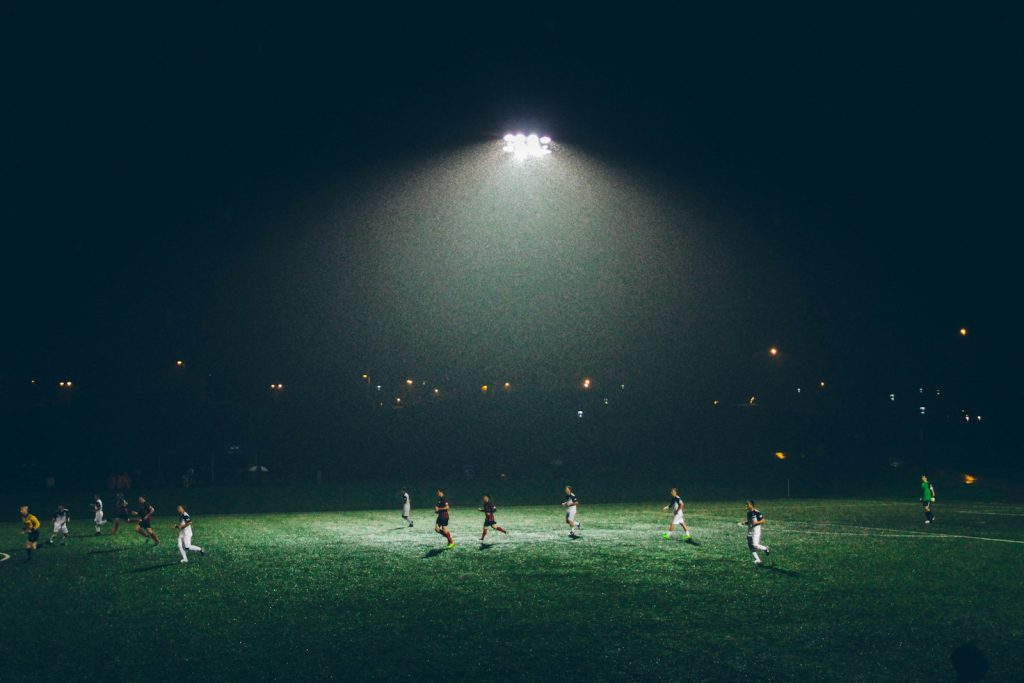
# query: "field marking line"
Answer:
x=4 y=557
x=1001 y=514
x=916 y=534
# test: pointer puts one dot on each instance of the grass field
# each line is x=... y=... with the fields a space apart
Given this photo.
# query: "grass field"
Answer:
x=854 y=590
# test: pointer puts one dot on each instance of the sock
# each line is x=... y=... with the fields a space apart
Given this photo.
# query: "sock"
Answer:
x=448 y=535
x=756 y=558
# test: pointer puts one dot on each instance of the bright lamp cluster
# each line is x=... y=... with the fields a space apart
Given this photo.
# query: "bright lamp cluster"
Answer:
x=523 y=146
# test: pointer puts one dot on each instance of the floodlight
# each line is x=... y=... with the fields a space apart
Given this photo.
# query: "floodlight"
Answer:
x=522 y=146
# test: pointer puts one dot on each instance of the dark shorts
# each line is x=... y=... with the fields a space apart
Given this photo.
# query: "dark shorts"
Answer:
x=123 y=515
x=33 y=536
x=441 y=521
x=489 y=522
x=145 y=523
x=926 y=503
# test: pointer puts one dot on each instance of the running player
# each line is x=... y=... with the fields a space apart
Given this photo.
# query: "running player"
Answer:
x=122 y=512
x=144 y=527
x=927 y=498
x=489 y=509
x=676 y=504
x=754 y=523
x=570 y=503
x=406 y=507
x=97 y=513
x=29 y=525
x=60 y=525
x=184 y=527
x=441 y=525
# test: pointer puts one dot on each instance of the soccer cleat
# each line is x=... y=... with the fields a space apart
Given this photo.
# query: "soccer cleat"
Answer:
x=410 y=524
x=927 y=521
x=451 y=545
x=767 y=552
x=666 y=536
x=183 y=561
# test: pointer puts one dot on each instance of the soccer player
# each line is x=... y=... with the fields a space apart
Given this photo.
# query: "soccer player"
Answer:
x=754 y=523
x=144 y=527
x=676 y=504
x=406 y=507
x=184 y=527
x=927 y=498
x=97 y=512
x=122 y=512
x=60 y=525
x=489 y=509
x=570 y=503
x=441 y=525
x=29 y=525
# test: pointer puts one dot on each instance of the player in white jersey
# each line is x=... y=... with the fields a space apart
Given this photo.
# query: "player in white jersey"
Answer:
x=754 y=524
x=97 y=510
x=60 y=524
x=406 y=507
x=570 y=503
x=184 y=527
x=676 y=505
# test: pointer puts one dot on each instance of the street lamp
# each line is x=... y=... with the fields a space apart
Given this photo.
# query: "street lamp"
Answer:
x=773 y=351
x=586 y=382
x=179 y=363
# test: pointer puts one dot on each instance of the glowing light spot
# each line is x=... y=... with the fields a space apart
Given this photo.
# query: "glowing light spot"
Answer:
x=780 y=455
x=822 y=384
x=409 y=382
x=970 y=479
x=180 y=363
x=773 y=351
x=526 y=146
x=586 y=382
x=484 y=388
x=963 y=331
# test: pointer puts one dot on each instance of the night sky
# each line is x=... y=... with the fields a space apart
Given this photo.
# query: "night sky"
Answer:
x=296 y=196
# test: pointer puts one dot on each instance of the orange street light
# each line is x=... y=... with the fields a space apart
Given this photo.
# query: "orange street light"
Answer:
x=780 y=455
x=773 y=351
x=586 y=382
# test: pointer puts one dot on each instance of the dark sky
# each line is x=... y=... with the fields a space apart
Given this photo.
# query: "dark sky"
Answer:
x=221 y=185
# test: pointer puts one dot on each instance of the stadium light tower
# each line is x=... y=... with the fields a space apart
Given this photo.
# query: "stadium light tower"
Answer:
x=522 y=146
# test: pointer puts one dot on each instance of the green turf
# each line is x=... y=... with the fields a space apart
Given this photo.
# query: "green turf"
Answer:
x=356 y=595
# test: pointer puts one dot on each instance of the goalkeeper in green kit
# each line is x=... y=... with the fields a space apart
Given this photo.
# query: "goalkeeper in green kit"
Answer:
x=927 y=498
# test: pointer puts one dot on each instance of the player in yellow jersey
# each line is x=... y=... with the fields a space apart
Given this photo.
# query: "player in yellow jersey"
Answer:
x=30 y=526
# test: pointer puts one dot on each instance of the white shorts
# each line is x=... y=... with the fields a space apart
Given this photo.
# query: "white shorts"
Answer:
x=570 y=514
x=61 y=528
x=98 y=518
x=185 y=536
x=678 y=518
x=405 y=510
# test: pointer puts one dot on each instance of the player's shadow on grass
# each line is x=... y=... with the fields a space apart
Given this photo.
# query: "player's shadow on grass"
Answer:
x=434 y=552
x=486 y=546
x=154 y=566
x=779 y=570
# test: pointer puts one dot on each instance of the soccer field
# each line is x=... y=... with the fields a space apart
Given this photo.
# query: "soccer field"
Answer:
x=854 y=590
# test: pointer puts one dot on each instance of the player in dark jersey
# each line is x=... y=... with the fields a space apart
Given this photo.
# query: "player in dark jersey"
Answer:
x=30 y=526
x=122 y=512
x=441 y=525
x=144 y=514
x=676 y=505
x=754 y=524
x=570 y=503
x=489 y=509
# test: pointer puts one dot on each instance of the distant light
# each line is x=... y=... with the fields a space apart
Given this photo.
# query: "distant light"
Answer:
x=409 y=382
x=922 y=409
x=752 y=400
x=365 y=376
x=483 y=388
x=398 y=399
x=180 y=363
x=969 y=479
x=579 y=414
x=606 y=401
x=780 y=455
x=967 y=418
x=715 y=402
x=277 y=387
x=378 y=387
x=774 y=351
x=586 y=382
x=33 y=381
x=507 y=386
x=892 y=397
x=436 y=391
x=963 y=331
x=799 y=390
x=822 y=384
x=979 y=418
x=526 y=146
